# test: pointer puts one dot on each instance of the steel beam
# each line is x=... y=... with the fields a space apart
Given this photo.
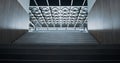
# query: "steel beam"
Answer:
x=50 y=13
x=36 y=19
x=79 y=13
x=44 y=18
x=60 y=13
x=42 y=14
x=69 y=14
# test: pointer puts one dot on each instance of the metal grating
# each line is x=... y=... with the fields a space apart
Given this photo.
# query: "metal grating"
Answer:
x=58 y=17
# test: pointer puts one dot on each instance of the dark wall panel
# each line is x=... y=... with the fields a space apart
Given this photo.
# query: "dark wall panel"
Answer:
x=13 y=21
x=104 y=21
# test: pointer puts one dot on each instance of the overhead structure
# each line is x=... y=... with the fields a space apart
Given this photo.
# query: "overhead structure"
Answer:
x=58 y=17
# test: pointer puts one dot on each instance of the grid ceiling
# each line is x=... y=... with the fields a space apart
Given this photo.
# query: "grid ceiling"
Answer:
x=56 y=3
x=46 y=16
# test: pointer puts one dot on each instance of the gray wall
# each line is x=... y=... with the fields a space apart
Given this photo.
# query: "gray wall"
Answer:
x=90 y=4
x=104 y=21
x=25 y=4
x=13 y=21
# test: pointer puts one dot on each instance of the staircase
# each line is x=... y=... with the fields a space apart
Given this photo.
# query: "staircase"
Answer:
x=85 y=50
x=61 y=54
x=56 y=37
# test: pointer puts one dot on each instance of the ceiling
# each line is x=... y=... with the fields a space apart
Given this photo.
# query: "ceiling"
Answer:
x=46 y=14
x=56 y=2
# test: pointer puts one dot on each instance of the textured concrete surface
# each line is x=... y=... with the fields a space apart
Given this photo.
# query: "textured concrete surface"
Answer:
x=56 y=38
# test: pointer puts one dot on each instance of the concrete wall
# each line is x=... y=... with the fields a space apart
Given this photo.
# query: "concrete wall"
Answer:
x=13 y=21
x=25 y=4
x=104 y=21
x=90 y=4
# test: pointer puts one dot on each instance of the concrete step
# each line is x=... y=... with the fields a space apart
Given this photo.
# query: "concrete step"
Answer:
x=61 y=54
x=56 y=38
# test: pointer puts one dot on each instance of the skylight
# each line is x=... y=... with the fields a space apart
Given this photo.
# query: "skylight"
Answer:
x=58 y=17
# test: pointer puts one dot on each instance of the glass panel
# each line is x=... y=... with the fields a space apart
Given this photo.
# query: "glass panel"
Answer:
x=58 y=17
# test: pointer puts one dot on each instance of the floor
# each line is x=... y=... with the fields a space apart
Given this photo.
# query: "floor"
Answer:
x=56 y=37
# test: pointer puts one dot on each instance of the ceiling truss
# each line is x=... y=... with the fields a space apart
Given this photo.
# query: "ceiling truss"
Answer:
x=55 y=17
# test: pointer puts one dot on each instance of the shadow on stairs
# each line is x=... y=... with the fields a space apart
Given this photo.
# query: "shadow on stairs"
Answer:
x=60 y=54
